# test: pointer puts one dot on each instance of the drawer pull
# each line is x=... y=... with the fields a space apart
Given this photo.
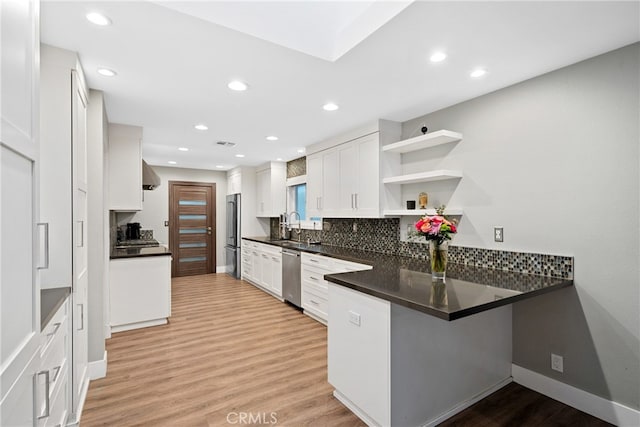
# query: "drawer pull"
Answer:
x=47 y=406
x=56 y=326
x=314 y=302
x=313 y=278
x=313 y=260
x=56 y=372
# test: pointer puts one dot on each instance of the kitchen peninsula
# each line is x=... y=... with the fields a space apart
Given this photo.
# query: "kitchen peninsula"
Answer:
x=403 y=350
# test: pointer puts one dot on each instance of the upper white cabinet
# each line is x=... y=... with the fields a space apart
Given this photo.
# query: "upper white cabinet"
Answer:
x=271 y=189
x=125 y=167
x=234 y=182
x=19 y=163
x=344 y=173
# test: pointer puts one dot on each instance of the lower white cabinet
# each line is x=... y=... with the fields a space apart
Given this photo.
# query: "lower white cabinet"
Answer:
x=54 y=373
x=140 y=292
x=315 y=298
x=359 y=352
x=262 y=266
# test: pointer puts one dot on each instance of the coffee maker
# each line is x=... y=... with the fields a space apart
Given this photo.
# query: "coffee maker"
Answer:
x=133 y=231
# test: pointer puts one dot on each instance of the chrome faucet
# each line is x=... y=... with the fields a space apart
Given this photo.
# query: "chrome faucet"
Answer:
x=299 y=230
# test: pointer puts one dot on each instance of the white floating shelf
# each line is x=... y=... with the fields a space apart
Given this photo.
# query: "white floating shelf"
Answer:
x=438 y=175
x=420 y=212
x=423 y=141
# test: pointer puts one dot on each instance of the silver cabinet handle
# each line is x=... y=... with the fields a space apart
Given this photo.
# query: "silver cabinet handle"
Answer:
x=313 y=278
x=355 y=196
x=275 y=258
x=81 y=317
x=56 y=326
x=47 y=407
x=317 y=202
x=46 y=245
x=313 y=260
x=351 y=200
x=56 y=371
x=80 y=242
x=314 y=302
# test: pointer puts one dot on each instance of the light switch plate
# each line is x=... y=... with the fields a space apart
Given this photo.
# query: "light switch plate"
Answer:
x=498 y=234
x=354 y=318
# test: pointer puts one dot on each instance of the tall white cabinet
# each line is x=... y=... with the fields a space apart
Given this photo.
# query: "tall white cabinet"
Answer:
x=63 y=195
x=20 y=246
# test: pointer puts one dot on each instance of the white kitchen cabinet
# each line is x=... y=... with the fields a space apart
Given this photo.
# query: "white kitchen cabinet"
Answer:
x=315 y=298
x=359 y=342
x=54 y=406
x=125 y=167
x=271 y=189
x=314 y=185
x=19 y=168
x=140 y=292
x=343 y=173
x=63 y=201
x=234 y=182
x=262 y=266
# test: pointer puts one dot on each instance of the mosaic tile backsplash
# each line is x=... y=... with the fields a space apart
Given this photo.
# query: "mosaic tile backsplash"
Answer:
x=297 y=167
x=383 y=236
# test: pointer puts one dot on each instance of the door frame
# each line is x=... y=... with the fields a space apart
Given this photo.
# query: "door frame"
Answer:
x=173 y=229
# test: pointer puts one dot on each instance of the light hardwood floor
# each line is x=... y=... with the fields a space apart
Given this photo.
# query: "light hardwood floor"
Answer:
x=229 y=348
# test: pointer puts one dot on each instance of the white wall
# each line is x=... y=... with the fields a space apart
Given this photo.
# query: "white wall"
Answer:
x=155 y=207
x=555 y=161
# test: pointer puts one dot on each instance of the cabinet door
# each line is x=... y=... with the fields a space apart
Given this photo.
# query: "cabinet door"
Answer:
x=263 y=193
x=367 y=179
x=330 y=183
x=359 y=350
x=80 y=299
x=314 y=185
x=257 y=265
x=19 y=157
x=276 y=274
x=125 y=167
x=265 y=270
x=347 y=159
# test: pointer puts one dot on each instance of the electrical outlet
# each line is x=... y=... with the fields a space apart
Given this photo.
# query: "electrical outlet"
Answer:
x=557 y=363
x=498 y=234
x=354 y=318
x=166 y=223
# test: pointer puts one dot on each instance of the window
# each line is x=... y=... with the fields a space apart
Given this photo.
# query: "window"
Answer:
x=298 y=200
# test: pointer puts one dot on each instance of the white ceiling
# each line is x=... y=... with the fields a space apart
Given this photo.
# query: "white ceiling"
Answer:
x=173 y=68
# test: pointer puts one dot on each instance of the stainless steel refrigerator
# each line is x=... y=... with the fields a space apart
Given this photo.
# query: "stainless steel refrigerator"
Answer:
x=232 y=247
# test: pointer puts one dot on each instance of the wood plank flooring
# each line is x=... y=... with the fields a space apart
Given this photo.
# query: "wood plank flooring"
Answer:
x=231 y=349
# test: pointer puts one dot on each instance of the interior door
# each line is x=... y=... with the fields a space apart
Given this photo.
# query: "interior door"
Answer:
x=192 y=218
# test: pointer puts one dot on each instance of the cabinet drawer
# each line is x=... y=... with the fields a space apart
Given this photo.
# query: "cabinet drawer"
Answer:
x=318 y=289
x=54 y=327
x=315 y=302
x=59 y=403
x=317 y=260
x=315 y=276
x=270 y=249
x=340 y=266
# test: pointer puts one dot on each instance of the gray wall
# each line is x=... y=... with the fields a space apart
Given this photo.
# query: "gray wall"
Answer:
x=155 y=207
x=98 y=256
x=555 y=161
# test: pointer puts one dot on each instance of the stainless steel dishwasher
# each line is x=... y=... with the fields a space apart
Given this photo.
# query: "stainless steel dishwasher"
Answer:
x=291 y=276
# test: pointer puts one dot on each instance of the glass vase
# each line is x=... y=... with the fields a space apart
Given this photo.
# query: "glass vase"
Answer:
x=438 y=257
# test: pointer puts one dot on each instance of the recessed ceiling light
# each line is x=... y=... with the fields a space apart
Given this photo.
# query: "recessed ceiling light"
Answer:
x=201 y=127
x=107 y=72
x=237 y=85
x=171 y=162
x=279 y=159
x=438 y=56
x=301 y=150
x=330 y=107
x=220 y=166
x=183 y=149
x=272 y=138
x=239 y=155
x=478 y=72
x=98 y=19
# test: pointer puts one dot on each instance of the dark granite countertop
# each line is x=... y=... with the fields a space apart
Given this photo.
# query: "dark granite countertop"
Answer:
x=50 y=302
x=139 y=252
x=407 y=281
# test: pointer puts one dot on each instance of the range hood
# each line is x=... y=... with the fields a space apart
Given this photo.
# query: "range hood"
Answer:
x=150 y=179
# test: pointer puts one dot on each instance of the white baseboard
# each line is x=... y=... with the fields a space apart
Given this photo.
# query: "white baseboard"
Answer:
x=221 y=268
x=354 y=408
x=98 y=368
x=607 y=410
x=467 y=403
x=138 y=325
